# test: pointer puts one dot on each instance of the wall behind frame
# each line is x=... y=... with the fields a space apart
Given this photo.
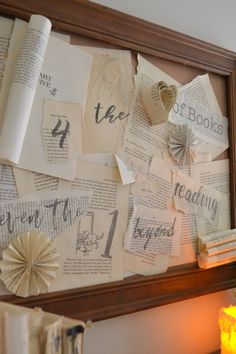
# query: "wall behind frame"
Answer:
x=187 y=327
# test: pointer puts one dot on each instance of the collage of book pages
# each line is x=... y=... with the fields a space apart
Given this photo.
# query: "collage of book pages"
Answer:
x=108 y=169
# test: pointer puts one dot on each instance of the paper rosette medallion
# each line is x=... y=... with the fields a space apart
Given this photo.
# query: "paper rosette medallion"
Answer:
x=29 y=264
x=158 y=100
x=182 y=144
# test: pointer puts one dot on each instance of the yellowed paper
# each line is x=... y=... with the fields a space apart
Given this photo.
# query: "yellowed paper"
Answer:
x=28 y=182
x=67 y=85
x=47 y=212
x=61 y=131
x=92 y=252
x=141 y=140
x=109 y=100
x=23 y=86
x=151 y=233
x=6 y=26
x=8 y=189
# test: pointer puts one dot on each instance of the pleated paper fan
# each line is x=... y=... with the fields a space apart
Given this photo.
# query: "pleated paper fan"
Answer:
x=29 y=264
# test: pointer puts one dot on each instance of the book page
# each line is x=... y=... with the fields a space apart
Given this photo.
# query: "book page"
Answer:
x=23 y=86
x=6 y=26
x=32 y=182
x=17 y=333
x=8 y=189
x=93 y=252
x=109 y=100
x=152 y=237
x=141 y=140
x=215 y=175
x=48 y=213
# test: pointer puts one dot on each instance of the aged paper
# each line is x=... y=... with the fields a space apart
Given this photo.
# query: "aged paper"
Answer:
x=192 y=197
x=151 y=234
x=141 y=140
x=8 y=190
x=200 y=92
x=109 y=100
x=28 y=182
x=93 y=252
x=24 y=81
x=6 y=26
x=45 y=212
x=215 y=175
x=61 y=131
x=67 y=85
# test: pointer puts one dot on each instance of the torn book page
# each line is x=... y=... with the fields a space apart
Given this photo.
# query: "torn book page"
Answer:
x=61 y=131
x=215 y=175
x=191 y=197
x=47 y=212
x=8 y=189
x=22 y=89
x=93 y=252
x=200 y=91
x=6 y=25
x=151 y=233
x=141 y=140
x=109 y=100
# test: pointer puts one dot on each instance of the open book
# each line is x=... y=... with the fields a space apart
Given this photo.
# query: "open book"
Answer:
x=42 y=96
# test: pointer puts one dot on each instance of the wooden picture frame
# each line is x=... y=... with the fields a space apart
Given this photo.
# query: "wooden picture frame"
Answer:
x=137 y=293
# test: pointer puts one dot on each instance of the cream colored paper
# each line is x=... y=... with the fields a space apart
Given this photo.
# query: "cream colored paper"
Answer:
x=47 y=212
x=17 y=339
x=92 y=252
x=23 y=86
x=8 y=190
x=155 y=191
x=32 y=182
x=29 y=264
x=191 y=197
x=141 y=140
x=201 y=91
x=61 y=131
x=109 y=100
x=151 y=233
x=215 y=175
x=158 y=100
x=6 y=26
x=43 y=332
x=67 y=85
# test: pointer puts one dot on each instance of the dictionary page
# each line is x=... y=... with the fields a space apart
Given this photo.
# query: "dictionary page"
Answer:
x=95 y=253
x=109 y=100
x=18 y=100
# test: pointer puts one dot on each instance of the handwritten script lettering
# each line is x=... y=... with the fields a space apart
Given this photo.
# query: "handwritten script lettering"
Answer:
x=108 y=114
x=152 y=232
x=198 y=198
